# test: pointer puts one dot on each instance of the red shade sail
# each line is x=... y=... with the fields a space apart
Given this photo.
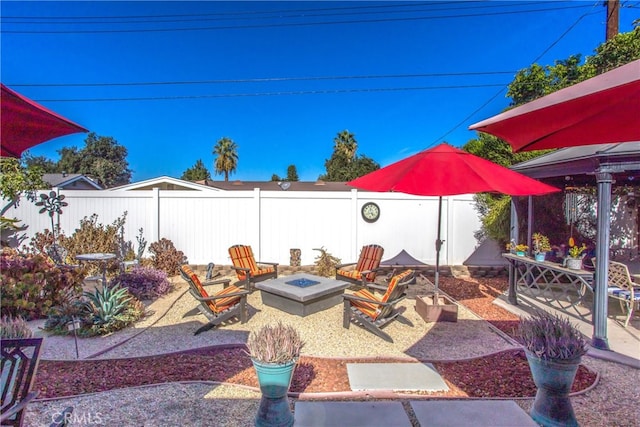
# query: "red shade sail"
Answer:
x=603 y=109
x=444 y=171
x=26 y=123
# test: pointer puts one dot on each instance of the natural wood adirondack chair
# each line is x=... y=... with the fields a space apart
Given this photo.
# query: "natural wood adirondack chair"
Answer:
x=248 y=270
x=620 y=287
x=364 y=271
x=225 y=304
x=375 y=312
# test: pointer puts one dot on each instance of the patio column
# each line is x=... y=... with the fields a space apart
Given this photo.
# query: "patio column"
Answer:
x=513 y=236
x=601 y=299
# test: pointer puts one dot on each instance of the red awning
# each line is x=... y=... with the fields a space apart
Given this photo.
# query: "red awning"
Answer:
x=603 y=109
x=26 y=123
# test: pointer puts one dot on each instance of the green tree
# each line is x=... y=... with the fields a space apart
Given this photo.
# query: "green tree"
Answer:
x=16 y=180
x=292 y=173
x=102 y=158
x=47 y=165
x=344 y=164
x=226 y=160
x=197 y=172
x=346 y=144
x=620 y=50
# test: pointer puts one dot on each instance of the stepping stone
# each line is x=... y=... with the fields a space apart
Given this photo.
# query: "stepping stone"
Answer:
x=471 y=413
x=352 y=414
x=395 y=376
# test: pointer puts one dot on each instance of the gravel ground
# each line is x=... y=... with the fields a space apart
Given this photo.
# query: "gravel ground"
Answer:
x=174 y=318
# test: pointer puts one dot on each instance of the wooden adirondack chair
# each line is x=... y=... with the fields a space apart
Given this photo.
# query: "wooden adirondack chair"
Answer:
x=364 y=271
x=225 y=304
x=374 y=312
x=248 y=270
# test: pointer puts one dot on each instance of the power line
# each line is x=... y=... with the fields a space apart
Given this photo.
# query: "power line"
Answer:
x=279 y=11
x=280 y=93
x=303 y=13
x=263 y=79
x=502 y=90
x=283 y=25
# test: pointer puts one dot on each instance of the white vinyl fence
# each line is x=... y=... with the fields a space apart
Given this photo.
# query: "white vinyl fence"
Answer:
x=204 y=224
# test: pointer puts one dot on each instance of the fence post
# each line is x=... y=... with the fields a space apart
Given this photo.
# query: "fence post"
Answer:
x=155 y=214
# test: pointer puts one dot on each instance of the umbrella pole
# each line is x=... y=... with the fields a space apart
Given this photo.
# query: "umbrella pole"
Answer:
x=438 y=246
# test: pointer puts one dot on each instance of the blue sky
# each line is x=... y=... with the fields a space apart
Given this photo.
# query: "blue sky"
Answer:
x=282 y=78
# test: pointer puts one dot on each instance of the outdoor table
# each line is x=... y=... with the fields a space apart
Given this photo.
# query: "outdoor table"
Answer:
x=302 y=294
x=100 y=257
x=549 y=281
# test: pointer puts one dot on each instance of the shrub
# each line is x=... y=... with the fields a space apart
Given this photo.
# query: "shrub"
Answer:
x=93 y=236
x=166 y=257
x=71 y=307
x=14 y=327
x=275 y=344
x=133 y=311
x=144 y=282
x=32 y=284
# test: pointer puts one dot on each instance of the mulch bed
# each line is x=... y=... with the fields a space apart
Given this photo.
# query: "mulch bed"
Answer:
x=505 y=374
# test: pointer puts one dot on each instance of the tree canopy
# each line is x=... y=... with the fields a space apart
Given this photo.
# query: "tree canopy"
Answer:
x=226 y=161
x=17 y=178
x=292 y=175
x=197 y=172
x=344 y=164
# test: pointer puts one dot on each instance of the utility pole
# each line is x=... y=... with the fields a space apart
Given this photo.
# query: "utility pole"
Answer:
x=613 y=17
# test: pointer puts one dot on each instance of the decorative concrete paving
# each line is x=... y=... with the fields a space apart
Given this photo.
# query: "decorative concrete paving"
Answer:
x=471 y=413
x=351 y=414
x=395 y=376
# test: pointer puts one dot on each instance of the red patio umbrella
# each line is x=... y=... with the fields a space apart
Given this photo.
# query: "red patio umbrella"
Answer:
x=600 y=110
x=445 y=171
x=26 y=123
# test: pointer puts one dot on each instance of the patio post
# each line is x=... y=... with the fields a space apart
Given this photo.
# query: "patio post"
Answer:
x=601 y=300
x=513 y=237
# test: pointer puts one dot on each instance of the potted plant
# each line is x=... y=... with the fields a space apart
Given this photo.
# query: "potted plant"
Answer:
x=520 y=249
x=274 y=352
x=575 y=255
x=554 y=348
x=541 y=246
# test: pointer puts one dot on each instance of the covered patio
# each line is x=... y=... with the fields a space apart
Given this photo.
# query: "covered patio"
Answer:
x=610 y=168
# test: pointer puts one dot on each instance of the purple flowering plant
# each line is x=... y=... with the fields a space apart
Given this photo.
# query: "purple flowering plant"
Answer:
x=144 y=282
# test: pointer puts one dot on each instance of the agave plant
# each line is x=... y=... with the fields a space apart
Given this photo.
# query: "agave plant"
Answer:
x=106 y=303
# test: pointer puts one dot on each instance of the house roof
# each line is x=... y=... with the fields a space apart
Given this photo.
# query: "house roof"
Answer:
x=70 y=180
x=278 y=185
x=164 y=183
x=581 y=163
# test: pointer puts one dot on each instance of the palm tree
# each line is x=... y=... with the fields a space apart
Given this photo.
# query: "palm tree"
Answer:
x=345 y=143
x=227 y=157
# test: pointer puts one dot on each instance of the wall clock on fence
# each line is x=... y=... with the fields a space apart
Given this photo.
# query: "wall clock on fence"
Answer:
x=370 y=212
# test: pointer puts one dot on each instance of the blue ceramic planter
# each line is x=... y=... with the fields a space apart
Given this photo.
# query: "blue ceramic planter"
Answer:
x=274 y=380
x=552 y=405
x=540 y=256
